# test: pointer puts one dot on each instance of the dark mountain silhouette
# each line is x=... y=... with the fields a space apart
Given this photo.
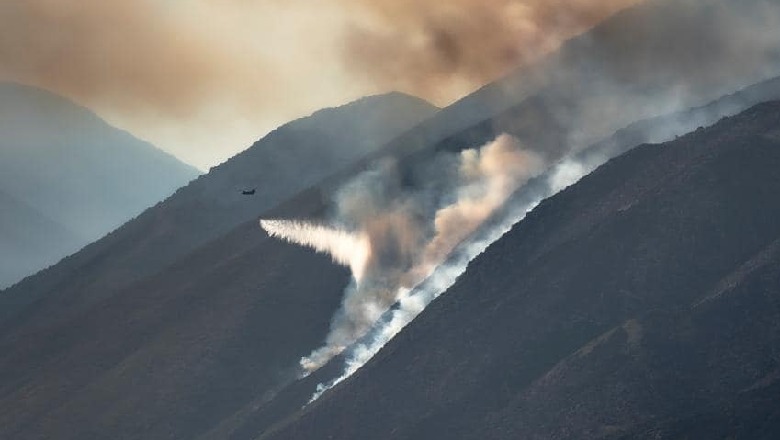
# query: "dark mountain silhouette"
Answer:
x=75 y=171
x=640 y=303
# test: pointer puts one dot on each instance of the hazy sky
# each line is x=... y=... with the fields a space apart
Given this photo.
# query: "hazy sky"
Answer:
x=203 y=79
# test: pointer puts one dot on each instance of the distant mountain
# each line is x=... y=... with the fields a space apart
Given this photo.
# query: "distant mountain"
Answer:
x=286 y=161
x=641 y=302
x=64 y=162
x=29 y=240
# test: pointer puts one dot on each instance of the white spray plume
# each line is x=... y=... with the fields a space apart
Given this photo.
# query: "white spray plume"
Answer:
x=346 y=248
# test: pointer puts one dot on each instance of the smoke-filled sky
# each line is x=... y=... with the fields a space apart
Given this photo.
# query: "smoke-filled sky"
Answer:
x=203 y=79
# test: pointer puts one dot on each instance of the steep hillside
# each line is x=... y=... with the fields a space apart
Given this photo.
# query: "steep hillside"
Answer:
x=641 y=301
x=67 y=164
x=286 y=161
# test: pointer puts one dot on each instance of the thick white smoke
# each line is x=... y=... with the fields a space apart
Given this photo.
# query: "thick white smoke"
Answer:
x=394 y=237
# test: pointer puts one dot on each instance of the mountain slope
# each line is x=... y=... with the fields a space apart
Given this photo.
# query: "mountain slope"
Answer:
x=630 y=302
x=70 y=166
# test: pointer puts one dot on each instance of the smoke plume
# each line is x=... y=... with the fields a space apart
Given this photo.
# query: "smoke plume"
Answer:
x=393 y=237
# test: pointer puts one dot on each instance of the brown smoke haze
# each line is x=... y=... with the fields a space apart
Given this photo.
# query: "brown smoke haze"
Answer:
x=203 y=79
x=444 y=49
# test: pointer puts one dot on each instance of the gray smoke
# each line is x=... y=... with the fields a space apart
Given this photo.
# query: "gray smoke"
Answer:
x=394 y=237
